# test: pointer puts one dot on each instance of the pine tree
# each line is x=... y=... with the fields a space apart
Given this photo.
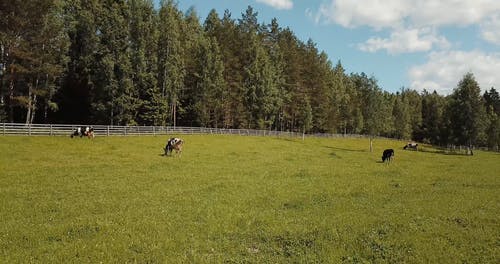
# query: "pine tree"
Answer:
x=292 y=69
x=401 y=113
x=414 y=101
x=276 y=57
x=143 y=38
x=345 y=105
x=171 y=65
x=492 y=98
x=374 y=114
x=114 y=98
x=33 y=45
x=493 y=129
x=230 y=41
x=433 y=107
x=74 y=97
x=492 y=105
x=467 y=114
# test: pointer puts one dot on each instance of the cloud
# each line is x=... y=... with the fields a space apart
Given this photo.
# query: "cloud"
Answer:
x=490 y=30
x=453 y=12
x=278 y=4
x=445 y=69
x=379 y=14
x=353 y=13
x=410 y=21
x=406 y=40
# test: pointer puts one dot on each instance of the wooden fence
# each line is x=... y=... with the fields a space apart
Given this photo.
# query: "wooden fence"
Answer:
x=103 y=130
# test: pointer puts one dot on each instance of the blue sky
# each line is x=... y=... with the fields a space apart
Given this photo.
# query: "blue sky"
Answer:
x=418 y=44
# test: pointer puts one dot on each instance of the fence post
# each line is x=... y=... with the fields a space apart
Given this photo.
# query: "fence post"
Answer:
x=29 y=129
x=107 y=131
x=4 y=129
x=50 y=130
x=154 y=133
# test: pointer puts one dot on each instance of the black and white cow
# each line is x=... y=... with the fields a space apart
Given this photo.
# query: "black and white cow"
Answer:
x=83 y=131
x=387 y=155
x=174 y=144
x=411 y=145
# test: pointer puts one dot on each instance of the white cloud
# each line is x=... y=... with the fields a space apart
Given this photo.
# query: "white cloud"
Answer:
x=452 y=12
x=278 y=4
x=445 y=69
x=406 y=40
x=353 y=13
x=409 y=21
x=417 y=13
x=490 y=29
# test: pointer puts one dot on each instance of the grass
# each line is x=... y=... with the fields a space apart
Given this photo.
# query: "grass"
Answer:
x=244 y=199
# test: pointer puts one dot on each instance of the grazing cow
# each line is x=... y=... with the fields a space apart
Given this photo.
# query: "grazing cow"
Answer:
x=387 y=155
x=174 y=144
x=411 y=145
x=83 y=131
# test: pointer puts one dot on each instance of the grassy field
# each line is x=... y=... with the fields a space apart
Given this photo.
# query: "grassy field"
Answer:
x=244 y=200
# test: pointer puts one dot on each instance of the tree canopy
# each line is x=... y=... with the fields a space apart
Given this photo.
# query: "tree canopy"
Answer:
x=129 y=63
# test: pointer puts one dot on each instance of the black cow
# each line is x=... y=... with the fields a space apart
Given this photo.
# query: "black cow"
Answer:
x=387 y=155
x=83 y=131
x=174 y=144
x=411 y=145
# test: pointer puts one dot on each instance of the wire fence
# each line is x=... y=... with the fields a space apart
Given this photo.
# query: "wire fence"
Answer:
x=104 y=130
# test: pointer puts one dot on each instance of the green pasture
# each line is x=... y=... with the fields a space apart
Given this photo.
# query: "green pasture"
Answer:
x=238 y=199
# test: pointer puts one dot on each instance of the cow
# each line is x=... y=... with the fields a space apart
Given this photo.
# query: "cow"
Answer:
x=83 y=131
x=411 y=145
x=387 y=155
x=174 y=144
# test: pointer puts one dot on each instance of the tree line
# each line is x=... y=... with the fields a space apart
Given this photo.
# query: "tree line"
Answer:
x=127 y=62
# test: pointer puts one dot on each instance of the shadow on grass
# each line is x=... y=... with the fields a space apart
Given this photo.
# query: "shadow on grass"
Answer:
x=334 y=155
x=344 y=149
x=446 y=152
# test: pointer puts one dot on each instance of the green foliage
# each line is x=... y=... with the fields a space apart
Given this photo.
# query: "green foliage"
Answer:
x=467 y=114
x=433 y=110
x=117 y=199
x=493 y=129
x=402 y=122
x=171 y=63
x=375 y=111
x=33 y=48
x=144 y=37
x=211 y=88
x=129 y=62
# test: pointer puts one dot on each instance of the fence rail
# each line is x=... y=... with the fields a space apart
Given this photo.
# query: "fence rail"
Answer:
x=103 y=130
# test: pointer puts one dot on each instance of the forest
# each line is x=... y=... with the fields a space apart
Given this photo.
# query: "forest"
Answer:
x=131 y=62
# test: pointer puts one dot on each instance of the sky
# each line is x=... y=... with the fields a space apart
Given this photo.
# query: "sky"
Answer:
x=416 y=44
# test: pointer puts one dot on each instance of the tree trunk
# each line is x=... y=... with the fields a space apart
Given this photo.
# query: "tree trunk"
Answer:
x=174 y=108
x=46 y=110
x=11 y=98
x=28 y=111
x=33 y=111
x=32 y=104
x=371 y=144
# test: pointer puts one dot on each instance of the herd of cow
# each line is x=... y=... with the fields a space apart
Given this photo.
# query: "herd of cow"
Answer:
x=175 y=144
